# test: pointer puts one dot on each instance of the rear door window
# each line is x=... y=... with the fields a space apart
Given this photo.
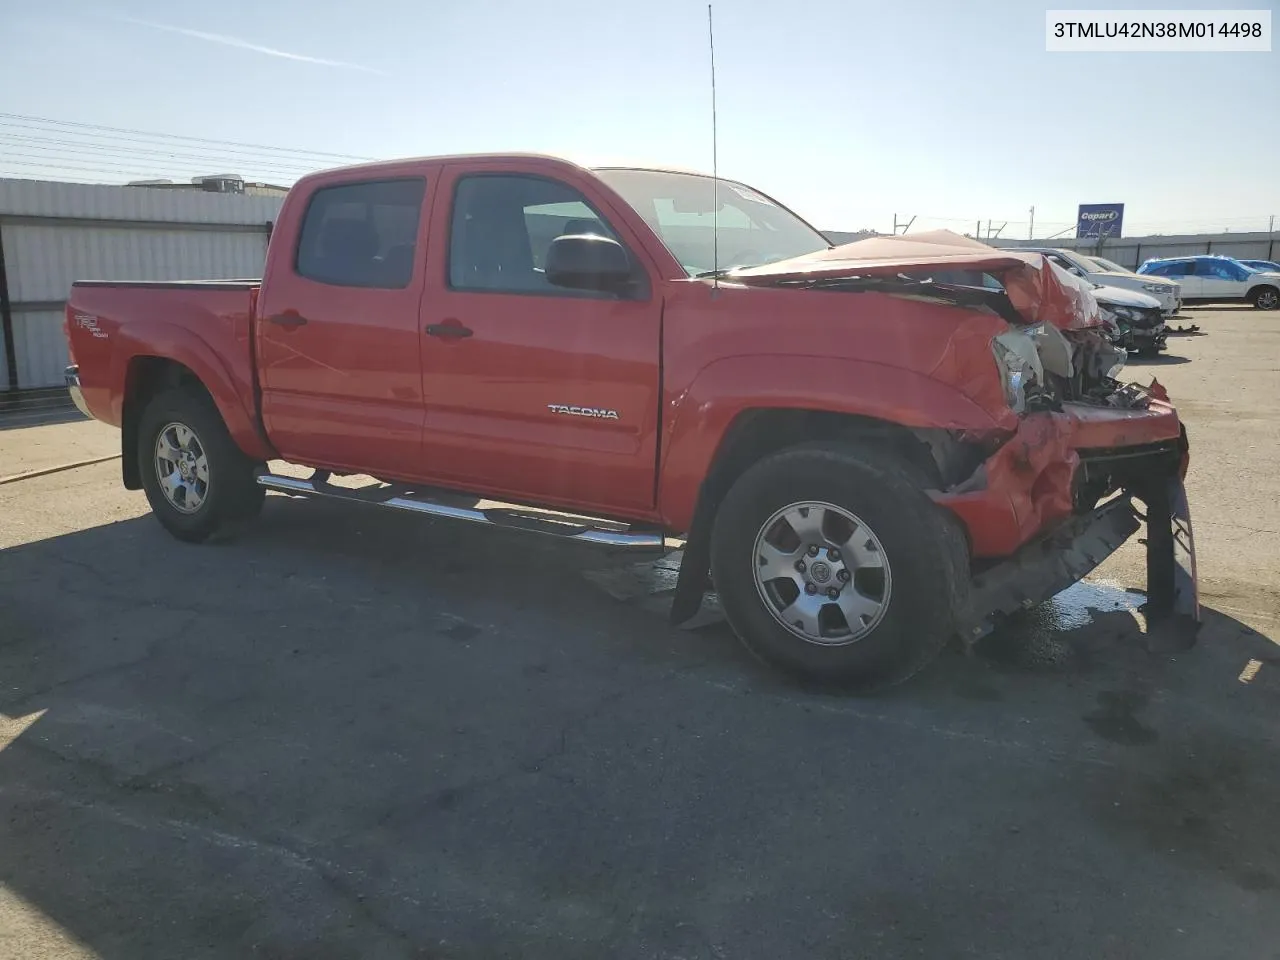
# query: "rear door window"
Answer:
x=362 y=234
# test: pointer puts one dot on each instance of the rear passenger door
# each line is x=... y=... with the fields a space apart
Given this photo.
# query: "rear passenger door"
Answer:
x=1222 y=280
x=337 y=338
x=532 y=391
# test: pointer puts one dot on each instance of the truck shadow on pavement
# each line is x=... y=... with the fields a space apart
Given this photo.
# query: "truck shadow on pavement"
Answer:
x=344 y=733
x=1159 y=360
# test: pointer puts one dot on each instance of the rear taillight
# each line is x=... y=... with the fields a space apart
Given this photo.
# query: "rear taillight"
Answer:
x=66 y=332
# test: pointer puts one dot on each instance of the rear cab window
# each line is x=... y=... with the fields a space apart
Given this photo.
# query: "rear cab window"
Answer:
x=362 y=234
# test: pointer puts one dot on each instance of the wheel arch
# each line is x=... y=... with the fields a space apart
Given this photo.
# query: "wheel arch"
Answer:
x=145 y=378
x=1259 y=288
x=939 y=457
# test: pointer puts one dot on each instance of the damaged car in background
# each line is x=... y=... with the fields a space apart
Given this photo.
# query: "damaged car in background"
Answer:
x=1135 y=321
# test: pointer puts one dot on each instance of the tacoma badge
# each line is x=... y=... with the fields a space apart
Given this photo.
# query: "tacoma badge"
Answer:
x=583 y=411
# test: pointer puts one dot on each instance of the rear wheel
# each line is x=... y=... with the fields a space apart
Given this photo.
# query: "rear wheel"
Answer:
x=1266 y=298
x=195 y=477
x=832 y=564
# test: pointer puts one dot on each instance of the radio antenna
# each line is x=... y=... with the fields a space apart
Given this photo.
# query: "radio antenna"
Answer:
x=715 y=165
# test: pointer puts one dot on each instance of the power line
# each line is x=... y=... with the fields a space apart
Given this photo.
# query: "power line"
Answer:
x=123 y=147
x=105 y=169
x=175 y=136
x=66 y=166
x=109 y=154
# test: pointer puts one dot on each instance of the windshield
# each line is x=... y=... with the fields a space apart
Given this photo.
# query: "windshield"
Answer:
x=678 y=207
x=1109 y=266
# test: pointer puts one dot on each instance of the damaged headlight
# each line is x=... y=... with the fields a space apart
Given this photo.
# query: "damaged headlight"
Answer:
x=1127 y=313
x=1020 y=368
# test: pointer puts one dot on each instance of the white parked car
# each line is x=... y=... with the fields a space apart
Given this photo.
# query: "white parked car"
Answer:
x=1168 y=292
x=1138 y=318
x=1210 y=279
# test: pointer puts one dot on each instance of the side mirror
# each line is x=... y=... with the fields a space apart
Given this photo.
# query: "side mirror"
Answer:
x=589 y=263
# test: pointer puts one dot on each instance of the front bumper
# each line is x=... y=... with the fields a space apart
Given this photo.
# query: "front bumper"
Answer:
x=71 y=376
x=1033 y=517
x=1032 y=483
x=1145 y=339
x=1054 y=561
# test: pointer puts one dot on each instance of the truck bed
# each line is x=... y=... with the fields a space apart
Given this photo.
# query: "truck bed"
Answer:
x=205 y=325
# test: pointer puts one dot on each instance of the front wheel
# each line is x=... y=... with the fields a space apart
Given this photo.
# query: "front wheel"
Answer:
x=1266 y=298
x=196 y=479
x=833 y=564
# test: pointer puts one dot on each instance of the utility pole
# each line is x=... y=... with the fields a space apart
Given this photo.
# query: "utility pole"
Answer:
x=1271 y=228
x=1031 y=228
x=906 y=225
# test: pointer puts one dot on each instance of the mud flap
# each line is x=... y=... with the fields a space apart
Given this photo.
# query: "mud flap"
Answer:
x=1173 y=593
x=1048 y=565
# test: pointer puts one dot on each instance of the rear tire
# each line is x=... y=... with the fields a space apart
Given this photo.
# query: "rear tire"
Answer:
x=1266 y=298
x=196 y=479
x=878 y=599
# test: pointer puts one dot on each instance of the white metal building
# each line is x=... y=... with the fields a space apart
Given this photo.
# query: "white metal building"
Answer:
x=52 y=233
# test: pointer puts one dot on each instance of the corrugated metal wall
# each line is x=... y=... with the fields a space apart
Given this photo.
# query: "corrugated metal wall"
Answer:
x=53 y=233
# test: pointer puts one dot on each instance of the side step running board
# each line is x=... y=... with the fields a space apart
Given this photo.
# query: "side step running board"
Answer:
x=565 y=526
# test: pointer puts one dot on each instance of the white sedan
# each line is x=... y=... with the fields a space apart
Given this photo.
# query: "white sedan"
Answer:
x=1168 y=292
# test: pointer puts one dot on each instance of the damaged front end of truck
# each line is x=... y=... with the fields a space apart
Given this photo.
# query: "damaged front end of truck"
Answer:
x=1090 y=459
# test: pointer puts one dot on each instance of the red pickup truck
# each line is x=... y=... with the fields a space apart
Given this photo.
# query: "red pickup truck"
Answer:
x=867 y=449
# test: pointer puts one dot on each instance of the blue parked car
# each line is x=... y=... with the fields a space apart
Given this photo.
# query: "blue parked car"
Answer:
x=1209 y=279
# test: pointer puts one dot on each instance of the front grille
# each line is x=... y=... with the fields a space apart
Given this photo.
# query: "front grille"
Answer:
x=1121 y=464
x=1103 y=471
x=1148 y=318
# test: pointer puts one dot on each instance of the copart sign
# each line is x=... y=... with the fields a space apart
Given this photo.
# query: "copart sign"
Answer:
x=1099 y=219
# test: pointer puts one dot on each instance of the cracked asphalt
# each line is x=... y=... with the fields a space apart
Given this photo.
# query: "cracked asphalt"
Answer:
x=346 y=734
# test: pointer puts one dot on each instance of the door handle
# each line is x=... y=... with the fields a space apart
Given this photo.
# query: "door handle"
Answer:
x=451 y=330
x=290 y=318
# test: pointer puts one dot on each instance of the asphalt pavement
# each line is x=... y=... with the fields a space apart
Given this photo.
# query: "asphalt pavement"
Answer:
x=344 y=733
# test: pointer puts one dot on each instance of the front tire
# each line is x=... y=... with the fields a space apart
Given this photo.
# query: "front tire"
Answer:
x=196 y=479
x=833 y=565
x=1266 y=298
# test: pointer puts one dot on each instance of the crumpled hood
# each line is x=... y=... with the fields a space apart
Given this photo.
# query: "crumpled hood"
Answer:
x=1039 y=290
x=1106 y=276
x=1121 y=297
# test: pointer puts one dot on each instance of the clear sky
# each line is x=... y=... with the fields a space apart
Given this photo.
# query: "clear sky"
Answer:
x=847 y=111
